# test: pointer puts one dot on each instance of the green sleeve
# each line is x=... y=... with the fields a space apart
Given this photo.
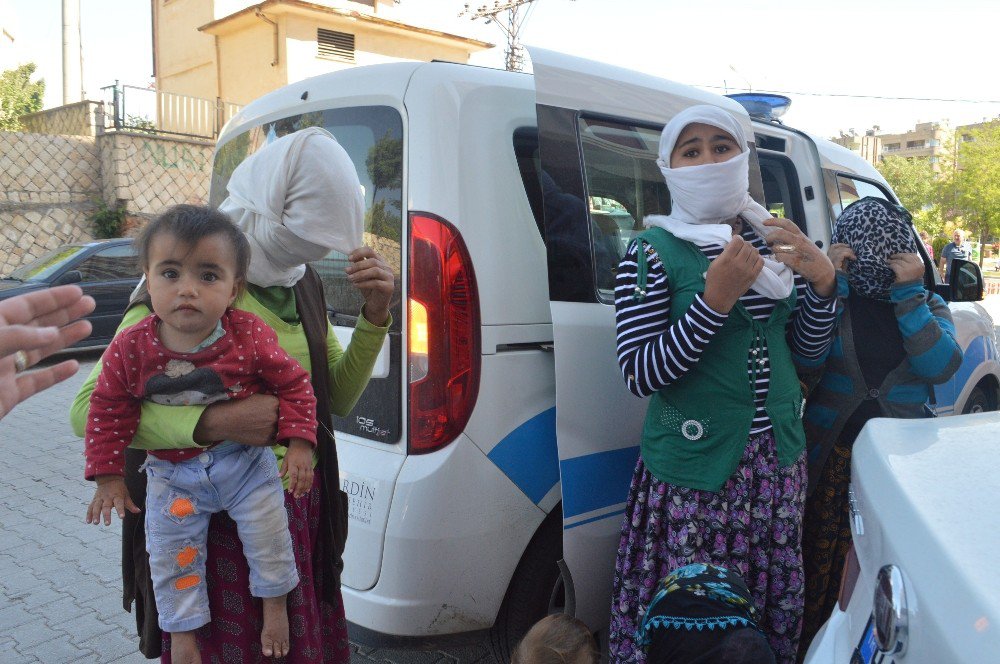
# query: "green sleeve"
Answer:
x=160 y=427
x=351 y=368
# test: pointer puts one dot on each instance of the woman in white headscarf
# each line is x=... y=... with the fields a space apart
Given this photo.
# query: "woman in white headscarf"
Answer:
x=297 y=199
x=716 y=303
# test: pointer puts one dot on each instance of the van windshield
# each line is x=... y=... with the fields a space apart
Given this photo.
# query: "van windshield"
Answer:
x=373 y=138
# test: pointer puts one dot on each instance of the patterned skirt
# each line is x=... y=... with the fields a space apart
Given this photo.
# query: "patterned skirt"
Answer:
x=318 y=629
x=751 y=526
x=826 y=540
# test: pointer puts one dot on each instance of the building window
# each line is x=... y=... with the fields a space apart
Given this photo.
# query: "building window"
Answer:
x=916 y=144
x=334 y=45
x=889 y=147
x=933 y=143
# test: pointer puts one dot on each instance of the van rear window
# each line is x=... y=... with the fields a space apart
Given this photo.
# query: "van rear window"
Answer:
x=373 y=137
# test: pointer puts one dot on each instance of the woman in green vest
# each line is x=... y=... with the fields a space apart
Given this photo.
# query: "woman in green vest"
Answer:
x=716 y=303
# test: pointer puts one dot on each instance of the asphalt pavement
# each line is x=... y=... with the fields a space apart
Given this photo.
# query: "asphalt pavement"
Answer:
x=60 y=582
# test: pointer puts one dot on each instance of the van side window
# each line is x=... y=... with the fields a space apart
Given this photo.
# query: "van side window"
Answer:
x=373 y=138
x=624 y=185
x=529 y=164
x=850 y=189
x=782 y=194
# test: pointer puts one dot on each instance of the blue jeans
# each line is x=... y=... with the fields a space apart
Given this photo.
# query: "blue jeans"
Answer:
x=181 y=499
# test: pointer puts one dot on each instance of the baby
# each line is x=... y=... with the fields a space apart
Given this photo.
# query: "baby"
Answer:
x=195 y=349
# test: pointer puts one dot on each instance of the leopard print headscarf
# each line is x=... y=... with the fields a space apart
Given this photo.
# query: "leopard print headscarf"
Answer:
x=875 y=229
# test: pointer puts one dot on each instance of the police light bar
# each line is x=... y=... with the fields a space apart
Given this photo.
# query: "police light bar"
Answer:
x=762 y=105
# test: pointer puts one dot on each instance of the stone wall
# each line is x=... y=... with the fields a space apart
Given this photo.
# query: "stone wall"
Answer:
x=51 y=185
x=79 y=119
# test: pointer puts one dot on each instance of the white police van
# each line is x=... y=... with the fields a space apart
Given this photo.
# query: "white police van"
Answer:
x=497 y=436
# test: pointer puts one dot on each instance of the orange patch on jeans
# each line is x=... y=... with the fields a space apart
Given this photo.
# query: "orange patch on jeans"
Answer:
x=181 y=507
x=186 y=582
x=186 y=556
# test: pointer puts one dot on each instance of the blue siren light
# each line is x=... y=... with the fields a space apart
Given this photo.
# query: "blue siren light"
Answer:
x=762 y=105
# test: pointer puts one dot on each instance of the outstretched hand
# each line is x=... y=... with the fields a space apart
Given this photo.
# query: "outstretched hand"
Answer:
x=39 y=324
x=371 y=275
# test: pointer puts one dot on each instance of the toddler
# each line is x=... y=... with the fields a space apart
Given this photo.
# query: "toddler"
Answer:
x=195 y=349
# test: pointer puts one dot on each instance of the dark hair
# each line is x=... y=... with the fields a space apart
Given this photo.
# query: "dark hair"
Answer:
x=557 y=639
x=745 y=646
x=190 y=223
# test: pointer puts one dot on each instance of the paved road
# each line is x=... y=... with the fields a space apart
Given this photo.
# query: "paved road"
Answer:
x=60 y=588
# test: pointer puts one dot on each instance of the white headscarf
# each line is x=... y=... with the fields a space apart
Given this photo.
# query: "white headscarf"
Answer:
x=703 y=198
x=296 y=199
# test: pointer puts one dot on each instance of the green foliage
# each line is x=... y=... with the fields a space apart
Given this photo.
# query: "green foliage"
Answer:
x=140 y=123
x=385 y=163
x=383 y=222
x=938 y=244
x=19 y=96
x=975 y=183
x=914 y=181
x=108 y=222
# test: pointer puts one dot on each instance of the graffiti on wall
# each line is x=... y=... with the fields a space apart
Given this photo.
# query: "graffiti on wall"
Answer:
x=176 y=155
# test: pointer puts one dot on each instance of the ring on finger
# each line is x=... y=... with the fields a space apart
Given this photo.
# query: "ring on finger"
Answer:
x=784 y=248
x=20 y=361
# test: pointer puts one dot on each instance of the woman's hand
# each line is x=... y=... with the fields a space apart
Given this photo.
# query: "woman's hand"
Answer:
x=251 y=421
x=794 y=249
x=908 y=267
x=731 y=274
x=839 y=254
x=371 y=275
x=37 y=325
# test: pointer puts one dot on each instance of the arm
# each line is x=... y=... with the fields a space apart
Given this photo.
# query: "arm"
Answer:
x=814 y=321
x=652 y=352
x=928 y=331
x=351 y=368
x=284 y=376
x=112 y=417
x=160 y=427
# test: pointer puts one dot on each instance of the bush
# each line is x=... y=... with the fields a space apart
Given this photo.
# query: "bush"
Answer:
x=108 y=222
x=938 y=244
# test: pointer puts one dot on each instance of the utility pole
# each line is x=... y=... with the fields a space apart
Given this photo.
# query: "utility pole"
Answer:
x=71 y=54
x=511 y=26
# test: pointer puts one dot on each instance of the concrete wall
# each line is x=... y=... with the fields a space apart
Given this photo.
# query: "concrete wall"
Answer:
x=79 y=119
x=51 y=185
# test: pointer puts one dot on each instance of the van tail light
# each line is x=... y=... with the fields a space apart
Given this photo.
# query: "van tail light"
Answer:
x=849 y=579
x=443 y=334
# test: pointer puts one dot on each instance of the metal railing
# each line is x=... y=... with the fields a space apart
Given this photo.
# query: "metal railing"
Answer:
x=130 y=108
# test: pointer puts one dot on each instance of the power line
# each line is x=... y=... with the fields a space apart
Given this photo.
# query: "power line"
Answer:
x=850 y=96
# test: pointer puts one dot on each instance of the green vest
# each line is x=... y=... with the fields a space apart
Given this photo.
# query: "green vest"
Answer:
x=697 y=427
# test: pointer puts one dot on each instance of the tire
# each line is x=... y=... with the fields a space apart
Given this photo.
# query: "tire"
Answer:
x=535 y=589
x=980 y=400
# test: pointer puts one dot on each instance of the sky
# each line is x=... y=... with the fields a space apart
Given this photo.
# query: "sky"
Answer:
x=833 y=59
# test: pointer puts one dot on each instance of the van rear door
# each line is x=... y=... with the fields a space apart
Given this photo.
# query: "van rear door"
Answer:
x=598 y=130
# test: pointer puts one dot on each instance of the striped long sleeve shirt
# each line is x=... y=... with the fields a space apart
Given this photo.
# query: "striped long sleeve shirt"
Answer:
x=653 y=353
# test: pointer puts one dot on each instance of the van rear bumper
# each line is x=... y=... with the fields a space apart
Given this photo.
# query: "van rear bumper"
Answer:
x=456 y=530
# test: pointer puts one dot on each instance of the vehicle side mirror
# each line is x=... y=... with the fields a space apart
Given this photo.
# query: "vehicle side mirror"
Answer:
x=966 y=283
x=71 y=277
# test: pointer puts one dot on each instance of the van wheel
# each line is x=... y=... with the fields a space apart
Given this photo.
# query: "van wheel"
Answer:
x=535 y=591
x=980 y=400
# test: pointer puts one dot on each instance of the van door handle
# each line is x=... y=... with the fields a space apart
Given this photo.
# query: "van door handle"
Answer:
x=856 y=518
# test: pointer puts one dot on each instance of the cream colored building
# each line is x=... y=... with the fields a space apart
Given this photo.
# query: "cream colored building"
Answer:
x=237 y=51
x=868 y=145
x=927 y=140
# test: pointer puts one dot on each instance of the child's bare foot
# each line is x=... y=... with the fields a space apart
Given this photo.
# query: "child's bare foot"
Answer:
x=184 y=648
x=274 y=635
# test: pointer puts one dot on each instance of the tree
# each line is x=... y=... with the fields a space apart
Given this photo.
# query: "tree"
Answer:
x=385 y=163
x=19 y=96
x=912 y=180
x=975 y=181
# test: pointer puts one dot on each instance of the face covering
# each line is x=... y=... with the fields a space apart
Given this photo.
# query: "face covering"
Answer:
x=875 y=230
x=296 y=199
x=703 y=198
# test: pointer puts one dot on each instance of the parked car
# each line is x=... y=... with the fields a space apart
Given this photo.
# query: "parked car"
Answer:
x=501 y=438
x=922 y=581
x=106 y=270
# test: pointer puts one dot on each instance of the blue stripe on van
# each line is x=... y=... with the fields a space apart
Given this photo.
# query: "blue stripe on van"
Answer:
x=528 y=455
x=597 y=480
x=978 y=351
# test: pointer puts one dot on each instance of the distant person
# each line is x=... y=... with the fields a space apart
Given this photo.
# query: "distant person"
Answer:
x=928 y=245
x=32 y=327
x=557 y=639
x=957 y=248
x=895 y=341
x=703 y=614
x=194 y=349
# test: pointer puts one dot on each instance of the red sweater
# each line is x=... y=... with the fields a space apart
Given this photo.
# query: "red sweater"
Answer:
x=136 y=366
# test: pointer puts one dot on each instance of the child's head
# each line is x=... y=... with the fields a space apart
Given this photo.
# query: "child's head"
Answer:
x=195 y=261
x=557 y=639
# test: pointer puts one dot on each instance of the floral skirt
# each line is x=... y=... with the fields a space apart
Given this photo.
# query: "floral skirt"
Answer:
x=751 y=526
x=826 y=540
x=318 y=630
